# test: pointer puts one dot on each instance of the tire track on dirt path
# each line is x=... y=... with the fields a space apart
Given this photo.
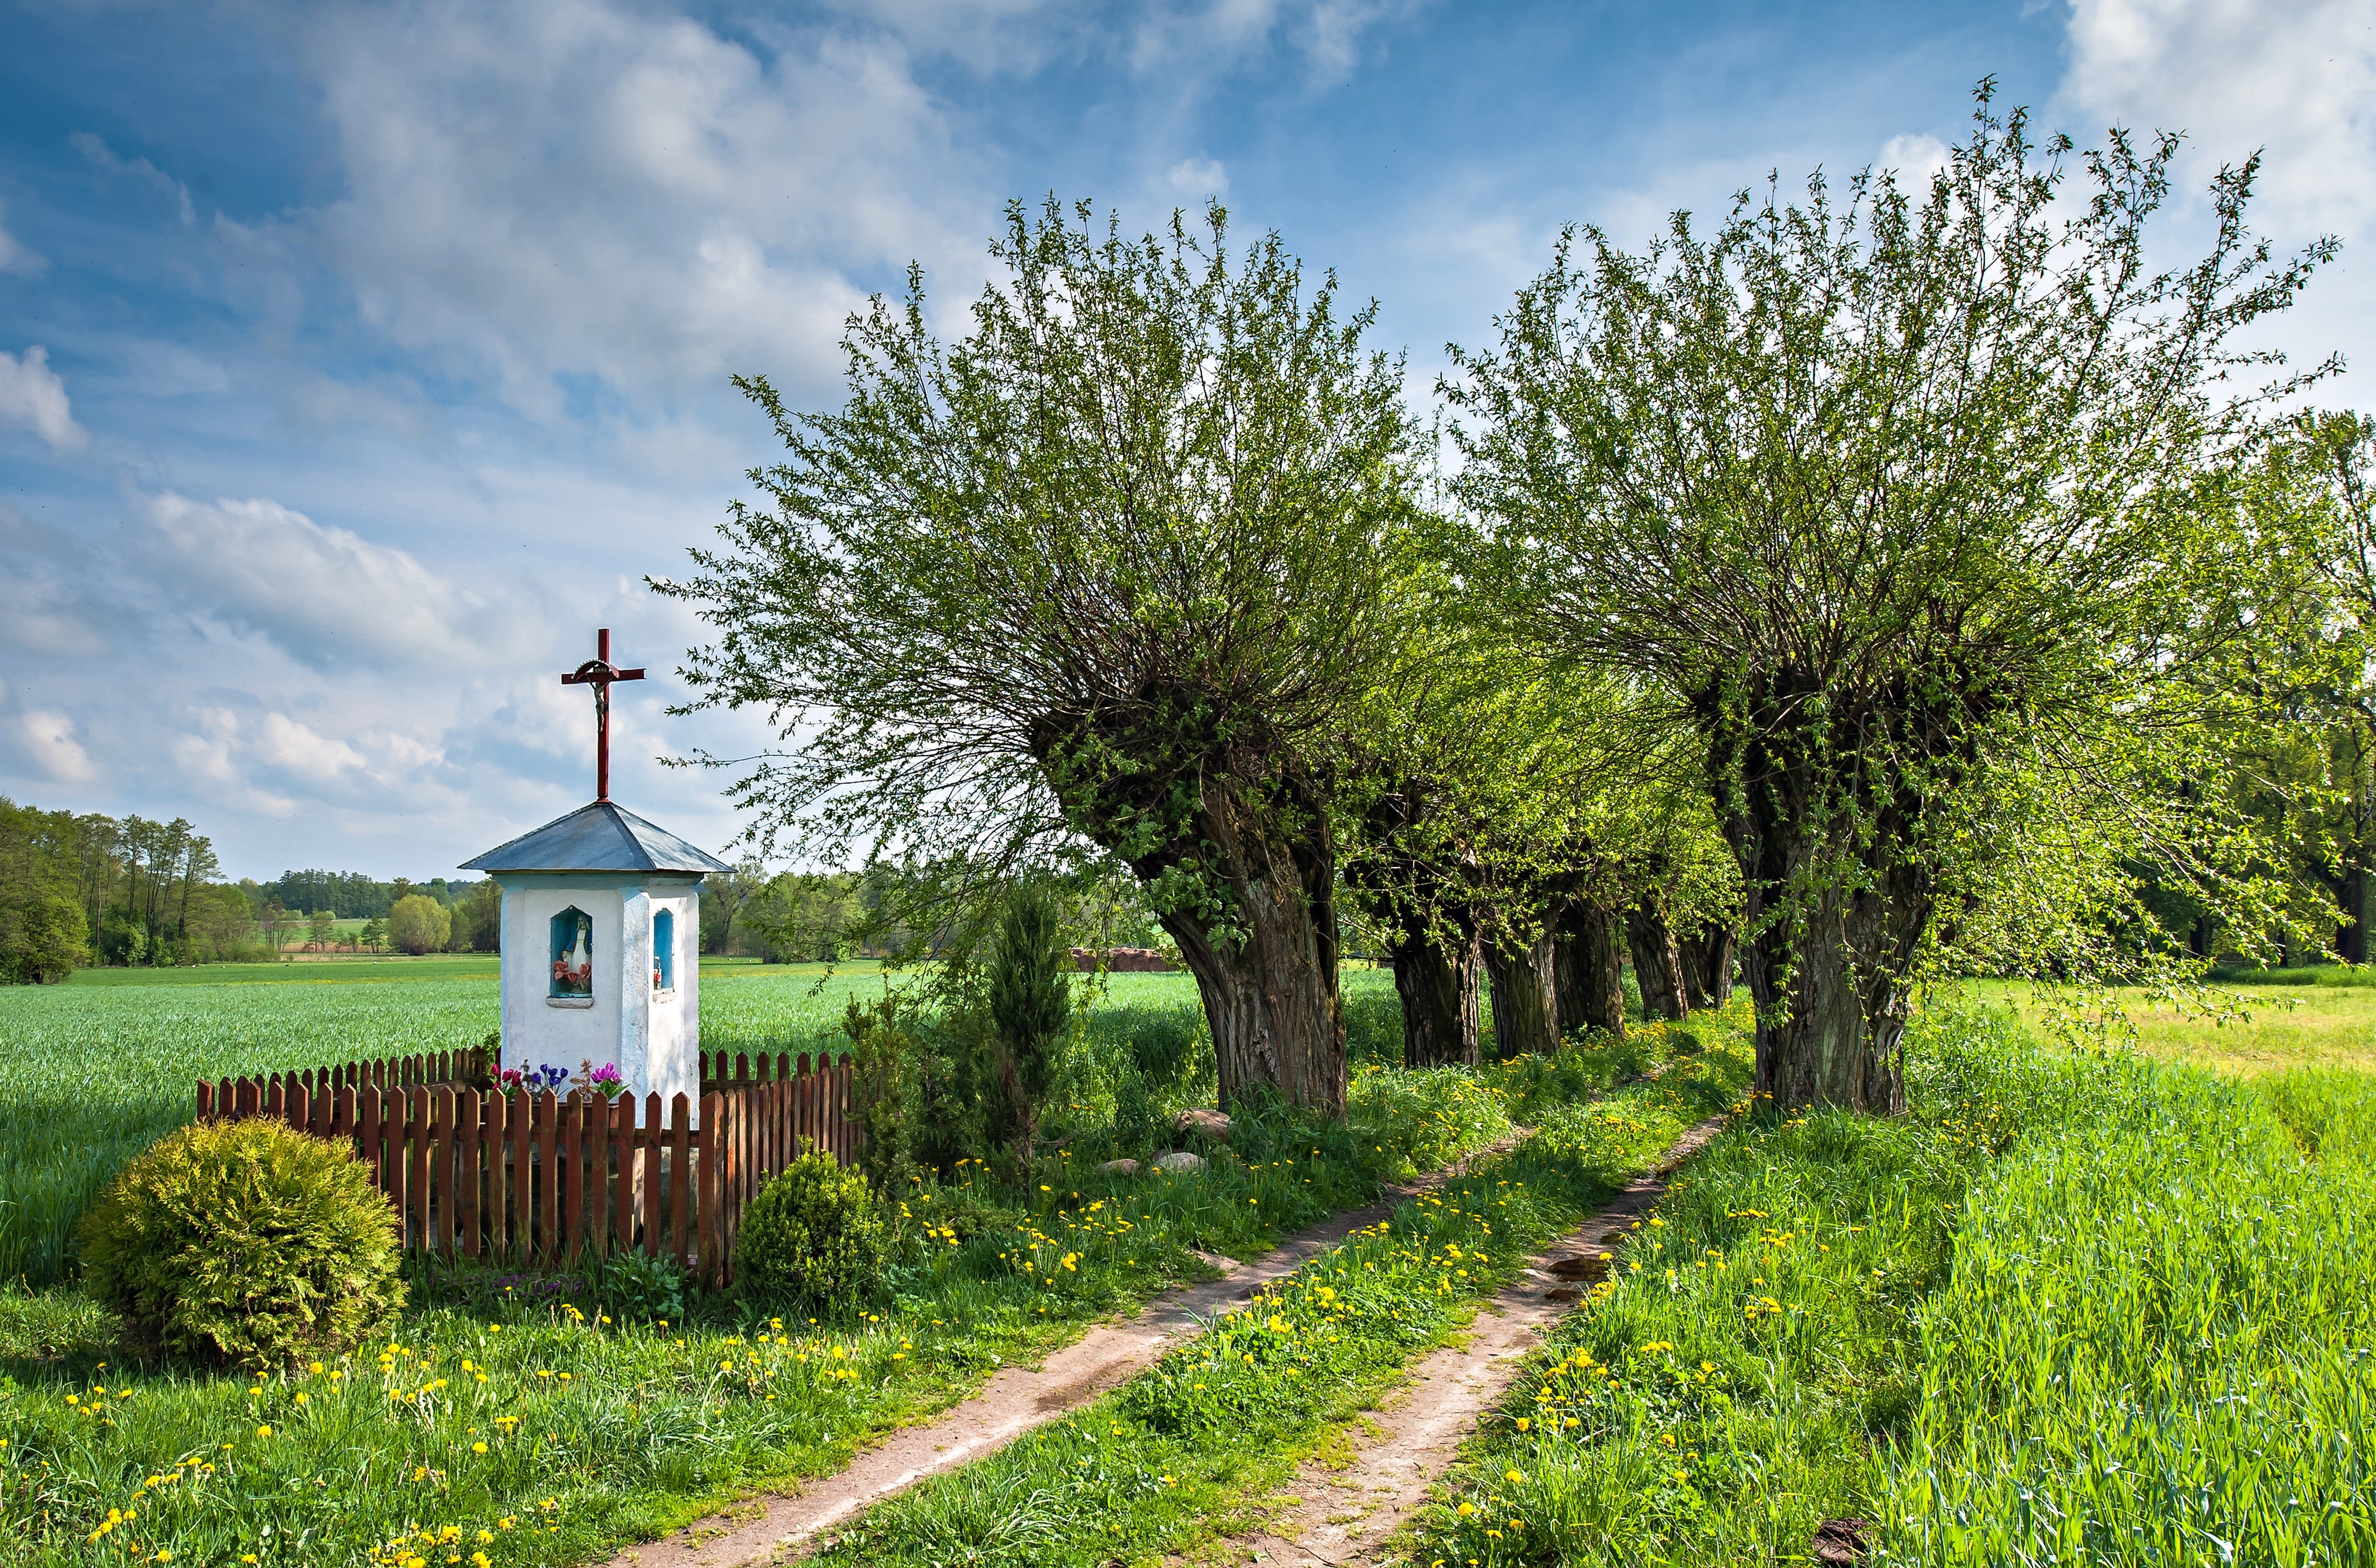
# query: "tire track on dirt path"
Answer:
x=1345 y=1515
x=779 y=1527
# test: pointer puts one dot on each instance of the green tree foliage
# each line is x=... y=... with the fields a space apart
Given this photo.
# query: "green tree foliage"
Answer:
x=723 y=897
x=1029 y=992
x=80 y=889
x=2313 y=777
x=1902 y=502
x=44 y=936
x=802 y=917
x=812 y=1235
x=1103 y=577
x=244 y=1242
x=478 y=919
x=419 y=925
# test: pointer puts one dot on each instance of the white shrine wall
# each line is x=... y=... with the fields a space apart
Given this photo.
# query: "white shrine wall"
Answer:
x=651 y=1036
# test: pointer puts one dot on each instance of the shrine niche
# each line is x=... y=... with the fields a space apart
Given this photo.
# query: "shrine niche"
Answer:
x=573 y=954
x=601 y=927
x=664 y=951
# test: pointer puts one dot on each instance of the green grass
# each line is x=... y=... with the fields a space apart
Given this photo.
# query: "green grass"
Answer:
x=90 y=1073
x=1186 y=1449
x=389 y=968
x=627 y=1427
x=2073 y=1310
x=2277 y=1020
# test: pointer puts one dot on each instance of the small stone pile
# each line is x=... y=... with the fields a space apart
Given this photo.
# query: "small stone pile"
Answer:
x=1120 y=960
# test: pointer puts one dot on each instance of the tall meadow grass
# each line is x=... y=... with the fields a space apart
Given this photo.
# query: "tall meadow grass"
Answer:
x=2073 y=1310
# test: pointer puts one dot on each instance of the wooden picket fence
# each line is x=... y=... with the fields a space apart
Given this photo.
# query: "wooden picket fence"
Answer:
x=478 y=1173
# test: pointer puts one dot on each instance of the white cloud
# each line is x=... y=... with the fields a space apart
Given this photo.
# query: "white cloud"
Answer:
x=1916 y=158
x=47 y=738
x=52 y=595
x=591 y=190
x=33 y=395
x=1192 y=43
x=324 y=596
x=1331 y=33
x=206 y=761
x=287 y=744
x=2298 y=80
x=1198 y=178
x=101 y=157
x=15 y=255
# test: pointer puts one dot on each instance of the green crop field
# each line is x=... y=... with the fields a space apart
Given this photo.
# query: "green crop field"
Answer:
x=92 y=1072
x=2307 y=1019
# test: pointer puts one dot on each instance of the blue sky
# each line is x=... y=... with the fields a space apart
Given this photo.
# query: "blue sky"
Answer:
x=357 y=361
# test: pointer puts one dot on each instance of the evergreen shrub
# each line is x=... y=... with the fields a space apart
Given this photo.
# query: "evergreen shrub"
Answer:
x=813 y=1234
x=247 y=1243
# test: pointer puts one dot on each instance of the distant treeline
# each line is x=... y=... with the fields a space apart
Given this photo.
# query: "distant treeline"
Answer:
x=77 y=890
x=351 y=895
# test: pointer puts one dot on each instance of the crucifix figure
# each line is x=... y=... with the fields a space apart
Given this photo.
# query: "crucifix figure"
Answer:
x=599 y=673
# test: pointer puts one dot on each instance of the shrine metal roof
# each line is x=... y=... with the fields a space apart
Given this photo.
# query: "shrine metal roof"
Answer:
x=601 y=837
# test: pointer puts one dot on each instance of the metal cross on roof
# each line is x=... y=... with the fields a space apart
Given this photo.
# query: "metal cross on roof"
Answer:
x=599 y=673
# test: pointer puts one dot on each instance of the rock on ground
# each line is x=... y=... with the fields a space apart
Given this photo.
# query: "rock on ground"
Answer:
x=1210 y=1123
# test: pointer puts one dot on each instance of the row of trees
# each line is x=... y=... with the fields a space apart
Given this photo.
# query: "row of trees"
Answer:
x=351 y=895
x=78 y=889
x=83 y=889
x=1891 y=582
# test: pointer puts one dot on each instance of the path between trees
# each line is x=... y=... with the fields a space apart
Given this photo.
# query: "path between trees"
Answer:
x=779 y=1526
x=1344 y=1514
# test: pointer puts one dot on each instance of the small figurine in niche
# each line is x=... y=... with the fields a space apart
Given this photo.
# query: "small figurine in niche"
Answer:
x=573 y=971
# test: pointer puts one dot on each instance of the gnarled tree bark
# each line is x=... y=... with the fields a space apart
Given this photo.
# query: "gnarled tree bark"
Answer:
x=1438 y=981
x=1587 y=971
x=1524 y=1020
x=1708 y=964
x=1829 y=975
x=1658 y=970
x=1269 y=986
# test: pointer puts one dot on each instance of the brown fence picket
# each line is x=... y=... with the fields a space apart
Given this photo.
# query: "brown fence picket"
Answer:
x=548 y=1192
x=706 y=1208
x=622 y=1193
x=570 y=1175
x=681 y=1246
x=441 y=1167
x=479 y=1173
x=609 y=1169
x=469 y=1113
x=521 y=1233
x=647 y=1168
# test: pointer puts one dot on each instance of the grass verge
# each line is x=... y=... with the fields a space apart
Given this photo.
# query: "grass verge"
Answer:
x=540 y=1420
x=2071 y=1310
x=1188 y=1448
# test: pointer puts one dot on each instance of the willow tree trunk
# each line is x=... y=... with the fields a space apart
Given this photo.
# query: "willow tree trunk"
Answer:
x=1437 y=980
x=1837 y=894
x=1525 y=1021
x=1267 y=973
x=1840 y=996
x=1587 y=972
x=1708 y=964
x=1657 y=968
x=2351 y=935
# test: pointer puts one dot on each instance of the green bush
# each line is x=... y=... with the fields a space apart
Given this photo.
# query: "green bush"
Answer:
x=813 y=1234
x=244 y=1242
